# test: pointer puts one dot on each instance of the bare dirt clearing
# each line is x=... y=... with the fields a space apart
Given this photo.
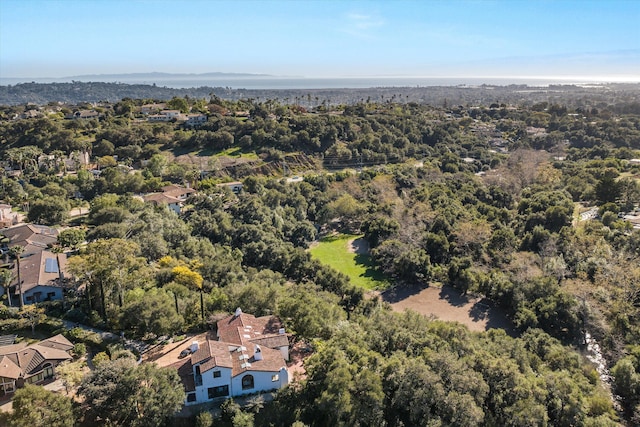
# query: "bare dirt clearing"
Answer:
x=445 y=303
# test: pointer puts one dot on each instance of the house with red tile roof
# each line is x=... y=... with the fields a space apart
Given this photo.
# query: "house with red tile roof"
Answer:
x=173 y=196
x=248 y=357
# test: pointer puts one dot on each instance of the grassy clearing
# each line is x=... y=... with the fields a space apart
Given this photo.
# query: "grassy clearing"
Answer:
x=235 y=152
x=334 y=251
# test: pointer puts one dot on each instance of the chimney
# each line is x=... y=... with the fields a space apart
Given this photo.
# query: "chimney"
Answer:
x=238 y=312
x=257 y=354
x=194 y=346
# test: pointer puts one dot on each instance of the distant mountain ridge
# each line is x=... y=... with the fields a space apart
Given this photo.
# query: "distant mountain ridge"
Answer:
x=159 y=78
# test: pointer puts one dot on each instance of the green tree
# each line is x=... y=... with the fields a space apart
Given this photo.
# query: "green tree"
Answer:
x=123 y=393
x=33 y=315
x=110 y=267
x=49 y=211
x=185 y=276
x=33 y=406
x=607 y=189
x=71 y=374
x=152 y=312
x=626 y=375
x=204 y=419
x=157 y=164
x=178 y=104
x=6 y=280
x=16 y=253
x=311 y=314
x=71 y=238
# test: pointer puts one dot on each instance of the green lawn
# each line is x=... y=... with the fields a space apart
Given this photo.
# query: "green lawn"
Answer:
x=333 y=250
x=236 y=152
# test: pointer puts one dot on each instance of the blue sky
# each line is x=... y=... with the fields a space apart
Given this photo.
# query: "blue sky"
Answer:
x=57 y=38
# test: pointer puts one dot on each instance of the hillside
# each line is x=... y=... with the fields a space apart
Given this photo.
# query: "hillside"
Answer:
x=481 y=201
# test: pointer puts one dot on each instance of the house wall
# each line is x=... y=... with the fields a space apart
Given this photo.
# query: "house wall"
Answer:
x=7 y=385
x=284 y=350
x=262 y=381
x=41 y=293
x=208 y=381
x=174 y=207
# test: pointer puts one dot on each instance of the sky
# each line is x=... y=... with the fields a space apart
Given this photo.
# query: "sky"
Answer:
x=321 y=38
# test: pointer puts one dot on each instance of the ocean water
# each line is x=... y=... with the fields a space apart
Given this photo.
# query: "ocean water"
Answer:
x=334 y=83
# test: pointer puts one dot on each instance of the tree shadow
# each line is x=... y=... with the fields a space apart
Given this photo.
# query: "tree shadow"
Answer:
x=360 y=246
x=399 y=293
x=480 y=311
x=486 y=310
x=371 y=269
x=453 y=296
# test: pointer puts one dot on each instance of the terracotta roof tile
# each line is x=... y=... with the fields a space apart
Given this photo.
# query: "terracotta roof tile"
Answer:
x=185 y=372
x=211 y=354
x=272 y=360
x=246 y=327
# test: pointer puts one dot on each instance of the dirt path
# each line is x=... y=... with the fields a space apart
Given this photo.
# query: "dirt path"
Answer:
x=447 y=304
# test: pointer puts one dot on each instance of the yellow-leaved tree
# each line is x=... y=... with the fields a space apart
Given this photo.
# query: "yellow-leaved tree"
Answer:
x=186 y=276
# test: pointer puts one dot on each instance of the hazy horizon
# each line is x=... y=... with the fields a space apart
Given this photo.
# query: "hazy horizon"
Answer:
x=286 y=82
x=321 y=39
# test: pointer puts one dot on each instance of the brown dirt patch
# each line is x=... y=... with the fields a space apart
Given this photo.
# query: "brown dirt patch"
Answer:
x=447 y=304
x=297 y=354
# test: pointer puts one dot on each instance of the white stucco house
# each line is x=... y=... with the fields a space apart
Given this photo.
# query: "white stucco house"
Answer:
x=248 y=357
x=235 y=186
x=160 y=199
x=195 y=119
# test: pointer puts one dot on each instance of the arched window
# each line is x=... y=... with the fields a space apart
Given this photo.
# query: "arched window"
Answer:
x=47 y=370
x=247 y=382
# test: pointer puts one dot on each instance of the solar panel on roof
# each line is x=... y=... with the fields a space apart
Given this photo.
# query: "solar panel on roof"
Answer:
x=50 y=265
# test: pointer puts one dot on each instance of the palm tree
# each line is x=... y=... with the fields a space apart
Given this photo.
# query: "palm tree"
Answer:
x=6 y=278
x=16 y=253
x=58 y=249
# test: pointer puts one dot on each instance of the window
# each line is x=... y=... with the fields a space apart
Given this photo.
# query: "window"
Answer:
x=221 y=391
x=48 y=370
x=198 y=377
x=217 y=374
x=247 y=382
x=275 y=378
x=191 y=397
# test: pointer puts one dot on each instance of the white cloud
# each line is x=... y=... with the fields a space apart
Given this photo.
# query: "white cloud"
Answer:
x=362 y=26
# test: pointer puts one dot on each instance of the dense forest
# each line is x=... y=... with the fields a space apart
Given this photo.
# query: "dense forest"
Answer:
x=484 y=195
